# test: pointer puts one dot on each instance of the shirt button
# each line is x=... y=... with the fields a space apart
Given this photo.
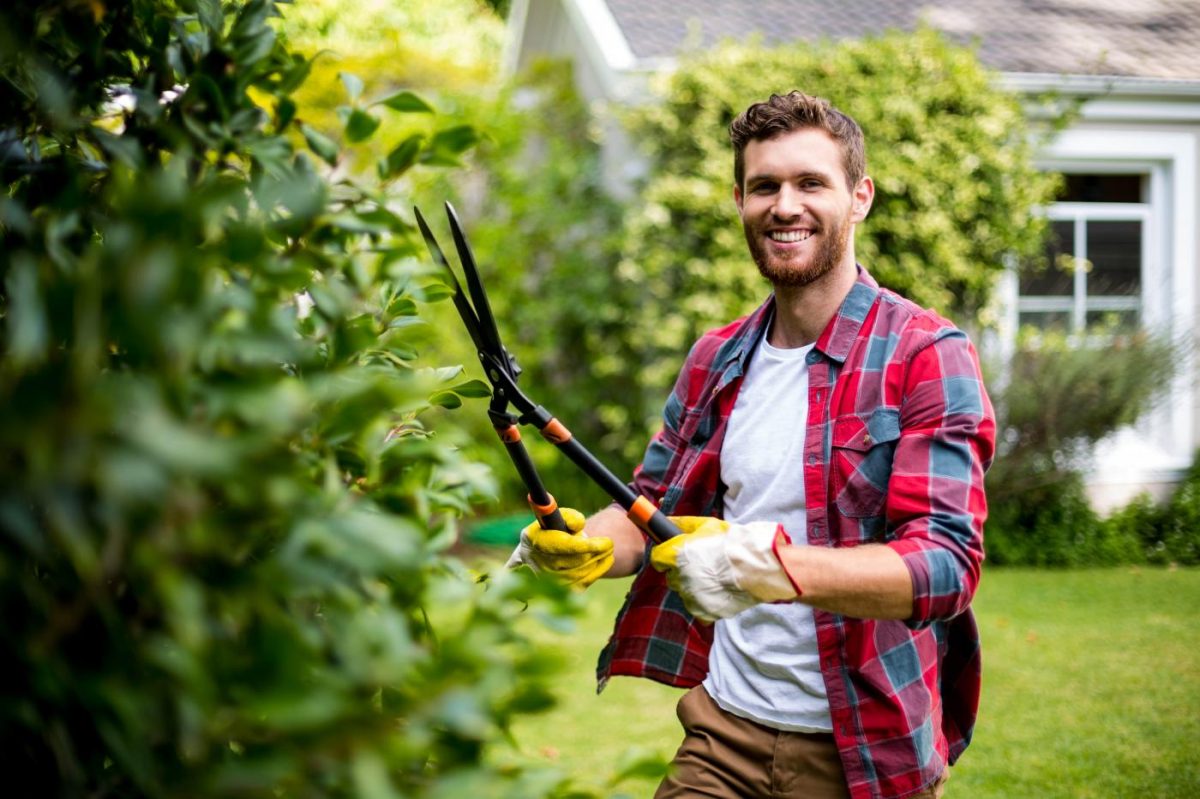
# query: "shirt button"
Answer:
x=812 y=460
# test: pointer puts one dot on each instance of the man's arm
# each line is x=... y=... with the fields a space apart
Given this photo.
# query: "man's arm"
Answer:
x=865 y=582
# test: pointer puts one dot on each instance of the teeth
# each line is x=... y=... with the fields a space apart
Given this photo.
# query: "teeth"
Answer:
x=789 y=236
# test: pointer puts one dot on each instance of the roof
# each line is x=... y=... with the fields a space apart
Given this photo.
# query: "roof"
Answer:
x=1154 y=39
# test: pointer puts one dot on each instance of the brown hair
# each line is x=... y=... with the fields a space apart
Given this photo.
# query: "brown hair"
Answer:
x=793 y=111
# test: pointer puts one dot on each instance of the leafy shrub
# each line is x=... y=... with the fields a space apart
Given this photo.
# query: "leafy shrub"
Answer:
x=1176 y=537
x=1059 y=396
x=224 y=512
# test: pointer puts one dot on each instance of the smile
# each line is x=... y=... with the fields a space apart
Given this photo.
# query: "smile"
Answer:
x=790 y=236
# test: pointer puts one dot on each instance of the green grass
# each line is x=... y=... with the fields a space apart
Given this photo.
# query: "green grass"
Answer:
x=1091 y=689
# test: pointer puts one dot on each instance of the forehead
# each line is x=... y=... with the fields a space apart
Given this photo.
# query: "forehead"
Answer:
x=797 y=152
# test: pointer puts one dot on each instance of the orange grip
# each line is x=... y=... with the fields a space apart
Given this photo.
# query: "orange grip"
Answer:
x=510 y=434
x=641 y=512
x=542 y=510
x=556 y=433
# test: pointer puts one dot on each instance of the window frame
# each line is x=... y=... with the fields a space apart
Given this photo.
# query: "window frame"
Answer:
x=1079 y=303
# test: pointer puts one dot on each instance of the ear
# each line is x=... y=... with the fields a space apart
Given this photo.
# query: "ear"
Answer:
x=863 y=196
x=737 y=197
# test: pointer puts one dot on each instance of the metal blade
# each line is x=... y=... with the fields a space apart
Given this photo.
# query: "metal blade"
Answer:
x=487 y=322
x=470 y=320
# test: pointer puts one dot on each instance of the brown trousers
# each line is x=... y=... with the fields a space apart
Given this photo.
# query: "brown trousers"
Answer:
x=728 y=757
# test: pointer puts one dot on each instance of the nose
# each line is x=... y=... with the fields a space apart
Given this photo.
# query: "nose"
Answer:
x=788 y=203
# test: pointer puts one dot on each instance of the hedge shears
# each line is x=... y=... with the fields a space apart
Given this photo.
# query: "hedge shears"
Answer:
x=501 y=370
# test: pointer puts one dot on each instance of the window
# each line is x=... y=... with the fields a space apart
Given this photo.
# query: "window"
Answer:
x=1097 y=252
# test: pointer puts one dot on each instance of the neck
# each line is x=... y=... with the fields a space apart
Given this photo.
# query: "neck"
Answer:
x=802 y=312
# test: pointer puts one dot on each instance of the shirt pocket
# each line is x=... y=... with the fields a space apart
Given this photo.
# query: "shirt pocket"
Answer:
x=863 y=448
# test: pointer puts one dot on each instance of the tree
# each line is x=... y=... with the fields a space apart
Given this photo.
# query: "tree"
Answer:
x=224 y=511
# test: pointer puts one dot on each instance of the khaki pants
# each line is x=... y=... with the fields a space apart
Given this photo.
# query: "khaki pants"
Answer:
x=728 y=757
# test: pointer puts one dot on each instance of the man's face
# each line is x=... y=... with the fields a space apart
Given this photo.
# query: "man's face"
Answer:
x=796 y=209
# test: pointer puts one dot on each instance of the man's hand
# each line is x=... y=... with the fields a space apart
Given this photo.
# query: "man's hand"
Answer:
x=575 y=558
x=721 y=569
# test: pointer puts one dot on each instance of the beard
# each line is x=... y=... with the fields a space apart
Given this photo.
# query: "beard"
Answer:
x=792 y=271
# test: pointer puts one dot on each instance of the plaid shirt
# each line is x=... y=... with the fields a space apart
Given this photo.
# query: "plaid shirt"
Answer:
x=900 y=432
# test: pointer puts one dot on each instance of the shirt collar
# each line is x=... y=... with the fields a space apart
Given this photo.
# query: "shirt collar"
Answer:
x=841 y=332
x=835 y=340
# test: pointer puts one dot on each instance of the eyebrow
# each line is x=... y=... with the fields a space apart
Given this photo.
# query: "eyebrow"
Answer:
x=767 y=176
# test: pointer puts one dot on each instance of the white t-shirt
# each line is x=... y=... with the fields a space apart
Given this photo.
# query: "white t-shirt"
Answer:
x=764 y=664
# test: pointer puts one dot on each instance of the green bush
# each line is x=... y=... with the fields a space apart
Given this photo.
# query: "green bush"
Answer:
x=1176 y=536
x=225 y=506
x=1058 y=397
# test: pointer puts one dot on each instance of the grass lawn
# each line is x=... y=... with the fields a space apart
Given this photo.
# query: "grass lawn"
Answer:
x=1091 y=689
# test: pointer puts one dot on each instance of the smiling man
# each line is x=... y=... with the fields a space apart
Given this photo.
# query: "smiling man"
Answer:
x=825 y=457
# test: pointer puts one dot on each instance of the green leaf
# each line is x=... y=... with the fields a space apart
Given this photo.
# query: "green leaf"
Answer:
x=353 y=84
x=402 y=156
x=445 y=399
x=448 y=144
x=285 y=112
x=473 y=388
x=407 y=103
x=320 y=144
x=28 y=330
x=435 y=292
x=360 y=125
x=210 y=16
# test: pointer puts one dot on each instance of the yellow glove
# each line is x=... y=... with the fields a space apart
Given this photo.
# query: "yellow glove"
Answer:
x=573 y=557
x=719 y=569
x=665 y=556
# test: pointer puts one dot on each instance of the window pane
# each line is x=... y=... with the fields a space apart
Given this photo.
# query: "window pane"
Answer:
x=1113 y=321
x=1057 y=278
x=1115 y=253
x=1103 y=189
x=1045 y=320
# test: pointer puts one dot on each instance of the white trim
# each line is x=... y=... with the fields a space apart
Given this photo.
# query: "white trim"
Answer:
x=514 y=37
x=1118 y=110
x=606 y=46
x=1038 y=82
x=596 y=17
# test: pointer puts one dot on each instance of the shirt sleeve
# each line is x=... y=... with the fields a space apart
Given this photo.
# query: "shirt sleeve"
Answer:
x=936 y=502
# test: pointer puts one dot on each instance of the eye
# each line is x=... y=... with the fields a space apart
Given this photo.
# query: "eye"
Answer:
x=765 y=187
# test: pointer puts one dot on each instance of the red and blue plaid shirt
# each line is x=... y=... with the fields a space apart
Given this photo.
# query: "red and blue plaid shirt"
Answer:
x=900 y=432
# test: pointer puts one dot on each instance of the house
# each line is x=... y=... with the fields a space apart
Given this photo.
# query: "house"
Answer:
x=1131 y=158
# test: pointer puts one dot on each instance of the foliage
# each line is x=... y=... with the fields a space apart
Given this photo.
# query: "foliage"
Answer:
x=1060 y=396
x=546 y=237
x=1166 y=534
x=445 y=49
x=1055 y=526
x=949 y=151
x=224 y=512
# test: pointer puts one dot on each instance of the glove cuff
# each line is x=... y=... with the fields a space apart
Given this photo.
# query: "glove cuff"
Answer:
x=782 y=535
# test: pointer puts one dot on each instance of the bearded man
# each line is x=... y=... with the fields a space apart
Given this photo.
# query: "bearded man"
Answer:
x=825 y=457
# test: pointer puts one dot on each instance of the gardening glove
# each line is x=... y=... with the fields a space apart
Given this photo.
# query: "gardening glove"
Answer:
x=720 y=569
x=572 y=556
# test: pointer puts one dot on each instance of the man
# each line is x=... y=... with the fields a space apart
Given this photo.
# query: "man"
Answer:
x=825 y=457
